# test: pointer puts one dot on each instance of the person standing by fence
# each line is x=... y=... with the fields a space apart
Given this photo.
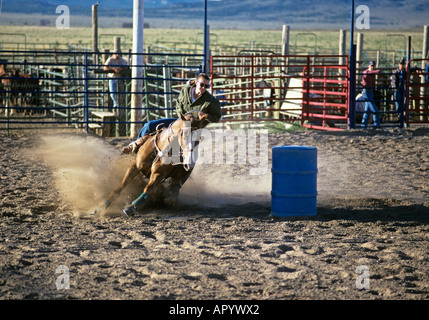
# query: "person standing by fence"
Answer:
x=398 y=85
x=427 y=68
x=116 y=64
x=368 y=82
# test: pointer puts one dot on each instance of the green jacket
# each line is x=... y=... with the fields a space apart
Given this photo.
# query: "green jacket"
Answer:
x=205 y=103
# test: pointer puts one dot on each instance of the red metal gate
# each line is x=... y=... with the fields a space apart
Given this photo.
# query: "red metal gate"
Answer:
x=326 y=98
x=417 y=94
x=310 y=89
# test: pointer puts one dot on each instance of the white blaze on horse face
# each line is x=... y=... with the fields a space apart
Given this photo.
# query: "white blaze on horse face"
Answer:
x=181 y=150
x=188 y=148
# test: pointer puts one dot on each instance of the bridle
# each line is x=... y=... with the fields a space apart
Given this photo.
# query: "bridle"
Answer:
x=185 y=140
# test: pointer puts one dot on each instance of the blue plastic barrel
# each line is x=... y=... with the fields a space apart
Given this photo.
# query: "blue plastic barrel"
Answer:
x=294 y=181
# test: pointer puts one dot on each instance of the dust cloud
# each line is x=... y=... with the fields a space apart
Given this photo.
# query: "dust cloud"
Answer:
x=85 y=169
x=223 y=186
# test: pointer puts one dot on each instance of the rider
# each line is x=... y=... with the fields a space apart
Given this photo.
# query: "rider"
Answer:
x=193 y=96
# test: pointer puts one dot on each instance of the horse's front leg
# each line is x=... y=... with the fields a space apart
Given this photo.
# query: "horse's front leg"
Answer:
x=129 y=175
x=155 y=179
x=131 y=172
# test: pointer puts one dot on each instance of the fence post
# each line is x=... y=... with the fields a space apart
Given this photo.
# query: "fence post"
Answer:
x=167 y=91
x=352 y=88
x=86 y=95
x=425 y=49
x=359 y=51
x=95 y=32
x=306 y=88
x=137 y=69
x=285 y=40
x=206 y=41
x=425 y=55
x=342 y=50
x=252 y=77
x=285 y=45
x=407 y=99
x=116 y=43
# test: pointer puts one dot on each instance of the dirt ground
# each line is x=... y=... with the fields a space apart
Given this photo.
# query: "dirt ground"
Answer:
x=369 y=239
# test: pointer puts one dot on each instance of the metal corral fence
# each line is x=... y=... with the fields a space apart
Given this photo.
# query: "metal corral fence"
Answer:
x=313 y=90
x=51 y=89
x=306 y=88
x=70 y=89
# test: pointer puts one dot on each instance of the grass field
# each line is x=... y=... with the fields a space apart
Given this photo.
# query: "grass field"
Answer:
x=48 y=37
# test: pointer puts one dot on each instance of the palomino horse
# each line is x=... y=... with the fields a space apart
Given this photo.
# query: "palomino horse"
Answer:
x=150 y=159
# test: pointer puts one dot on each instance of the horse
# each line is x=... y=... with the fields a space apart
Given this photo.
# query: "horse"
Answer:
x=28 y=88
x=153 y=161
x=5 y=85
x=17 y=88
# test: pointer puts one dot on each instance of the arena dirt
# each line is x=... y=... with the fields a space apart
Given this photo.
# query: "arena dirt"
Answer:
x=220 y=241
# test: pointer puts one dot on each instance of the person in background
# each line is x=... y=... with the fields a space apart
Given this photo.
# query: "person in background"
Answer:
x=368 y=82
x=116 y=64
x=426 y=89
x=427 y=68
x=398 y=85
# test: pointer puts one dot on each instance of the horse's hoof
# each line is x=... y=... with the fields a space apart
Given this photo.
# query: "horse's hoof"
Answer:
x=129 y=211
x=93 y=213
x=104 y=206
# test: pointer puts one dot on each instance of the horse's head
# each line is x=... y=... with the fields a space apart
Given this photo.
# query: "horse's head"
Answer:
x=195 y=119
x=189 y=123
x=182 y=137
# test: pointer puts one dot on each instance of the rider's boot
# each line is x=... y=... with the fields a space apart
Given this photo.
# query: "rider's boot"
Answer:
x=135 y=145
